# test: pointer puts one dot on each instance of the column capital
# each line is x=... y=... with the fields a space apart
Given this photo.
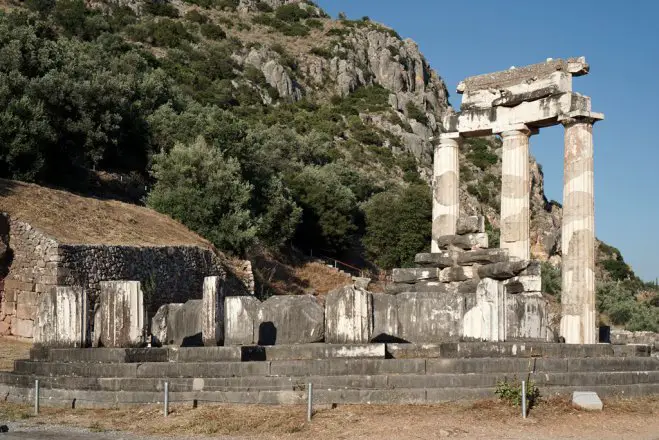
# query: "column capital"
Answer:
x=514 y=130
x=580 y=116
x=449 y=139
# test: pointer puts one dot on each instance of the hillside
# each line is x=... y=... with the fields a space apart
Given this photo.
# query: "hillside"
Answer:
x=254 y=123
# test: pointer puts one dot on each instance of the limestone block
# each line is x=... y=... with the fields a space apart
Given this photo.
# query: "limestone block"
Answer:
x=523 y=283
x=482 y=256
x=23 y=328
x=429 y=317
x=421 y=286
x=159 y=323
x=178 y=324
x=588 y=400
x=485 y=320
x=503 y=270
x=240 y=312
x=385 y=318
x=61 y=320
x=456 y=273
x=534 y=268
x=4 y=327
x=289 y=319
x=411 y=275
x=213 y=311
x=526 y=317
x=436 y=259
x=466 y=242
x=122 y=314
x=361 y=282
x=471 y=224
x=26 y=310
x=348 y=316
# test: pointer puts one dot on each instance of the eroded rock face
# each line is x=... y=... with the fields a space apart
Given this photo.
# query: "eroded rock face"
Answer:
x=290 y=319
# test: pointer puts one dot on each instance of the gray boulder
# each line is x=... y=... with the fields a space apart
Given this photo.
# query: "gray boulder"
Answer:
x=289 y=319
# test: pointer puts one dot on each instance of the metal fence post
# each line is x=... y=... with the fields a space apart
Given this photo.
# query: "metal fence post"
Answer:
x=309 y=402
x=166 y=409
x=524 y=399
x=36 y=397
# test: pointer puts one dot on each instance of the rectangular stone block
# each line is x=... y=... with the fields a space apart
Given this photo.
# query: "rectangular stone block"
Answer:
x=456 y=273
x=26 y=310
x=23 y=328
x=482 y=256
x=62 y=318
x=348 y=316
x=436 y=259
x=471 y=224
x=385 y=317
x=323 y=351
x=421 y=286
x=410 y=275
x=523 y=283
x=291 y=319
x=213 y=311
x=240 y=313
x=502 y=271
x=122 y=316
x=465 y=242
x=413 y=351
x=526 y=317
x=485 y=320
x=429 y=317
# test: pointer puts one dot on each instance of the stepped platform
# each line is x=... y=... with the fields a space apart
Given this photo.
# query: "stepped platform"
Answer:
x=367 y=373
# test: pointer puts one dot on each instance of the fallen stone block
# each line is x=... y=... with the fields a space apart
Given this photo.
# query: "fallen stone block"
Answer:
x=429 y=317
x=465 y=242
x=122 y=318
x=240 y=312
x=523 y=283
x=471 y=224
x=212 y=318
x=412 y=275
x=159 y=323
x=289 y=319
x=385 y=318
x=178 y=324
x=421 y=286
x=348 y=316
x=436 y=259
x=456 y=273
x=588 y=400
x=482 y=256
x=502 y=271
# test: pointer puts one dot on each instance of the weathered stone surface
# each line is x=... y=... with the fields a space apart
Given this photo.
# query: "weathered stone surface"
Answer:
x=588 y=400
x=62 y=318
x=471 y=224
x=440 y=259
x=421 y=286
x=23 y=328
x=429 y=317
x=385 y=317
x=212 y=319
x=122 y=314
x=179 y=324
x=503 y=270
x=240 y=313
x=348 y=316
x=361 y=282
x=523 y=283
x=526 y=317
x=456 y=273
x=485 y=319
x=289 y=319
x=482 y=256
x=534 y=268
x=467 y=241
x=410 y=275
x=159 y=323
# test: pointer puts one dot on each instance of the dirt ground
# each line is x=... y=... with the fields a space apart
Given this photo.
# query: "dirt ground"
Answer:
x=553 y=419
x=11 y=349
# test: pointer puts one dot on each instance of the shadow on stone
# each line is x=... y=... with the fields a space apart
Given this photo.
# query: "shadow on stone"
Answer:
x=193 y=341
x=267 y=333
x=252 y=354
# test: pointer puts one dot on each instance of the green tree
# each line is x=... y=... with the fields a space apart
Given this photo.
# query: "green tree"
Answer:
x=398 y=225
x=202 y=188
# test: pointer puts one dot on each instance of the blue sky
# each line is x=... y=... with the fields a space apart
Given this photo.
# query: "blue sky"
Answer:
x=620 y=41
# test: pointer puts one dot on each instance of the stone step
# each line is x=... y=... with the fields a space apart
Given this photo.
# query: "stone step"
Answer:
x=381 y=382
x=82 y=399
x=336 y=367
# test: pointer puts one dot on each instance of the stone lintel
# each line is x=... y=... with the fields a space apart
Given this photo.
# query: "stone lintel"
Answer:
x=450 y=136
x=517 y=75
x=529 y=131
x=577 y=115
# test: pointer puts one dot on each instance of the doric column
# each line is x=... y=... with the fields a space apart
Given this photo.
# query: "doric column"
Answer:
x=446 y=178
x=515 y=192
x=578 y=320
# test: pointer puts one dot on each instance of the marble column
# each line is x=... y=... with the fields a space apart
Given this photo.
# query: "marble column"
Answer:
x=515 y=192
x=446 y=179
x=579 y=319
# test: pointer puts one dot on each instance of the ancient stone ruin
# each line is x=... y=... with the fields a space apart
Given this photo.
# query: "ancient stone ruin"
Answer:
x=515 y=104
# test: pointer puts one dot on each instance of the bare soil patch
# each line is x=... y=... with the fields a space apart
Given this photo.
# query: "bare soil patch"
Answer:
x=553 y=418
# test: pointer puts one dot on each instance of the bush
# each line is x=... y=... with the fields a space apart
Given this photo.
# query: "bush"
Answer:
x=164 y=32
x=321 y=52
x=291 y=13
x=480 y=154
x=551 y=279
x=160 y=8
x=511 y=392
x=398 y=225
x=493 y=235
x=314 y=23
x=619 y=270
x=212 y=31
x=196 y=16
x=263 y=7
x=414 y=112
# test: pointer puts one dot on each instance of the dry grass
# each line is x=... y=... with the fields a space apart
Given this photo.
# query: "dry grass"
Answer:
x=321 y=277
x=73 y=219
x=10 y=350
x=553 y=418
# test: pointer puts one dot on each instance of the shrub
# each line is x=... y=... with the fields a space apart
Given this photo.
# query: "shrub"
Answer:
x=414 y=112
x=291 y=13
x=551 y=279
x=493 y=235
x=314 y=23
x=480 y=154
x=160 y=8
x=511 y=392
x=212 y=31
x=338 y=32
x=619 y=270
x=321 y=52
x=196 y=16
x=164 y=32
x=263 y=7
x=227 y=4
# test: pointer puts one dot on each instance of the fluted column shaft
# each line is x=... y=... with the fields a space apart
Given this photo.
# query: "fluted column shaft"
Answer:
x=445 y=185
x=578 y=319
x=515 y=193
